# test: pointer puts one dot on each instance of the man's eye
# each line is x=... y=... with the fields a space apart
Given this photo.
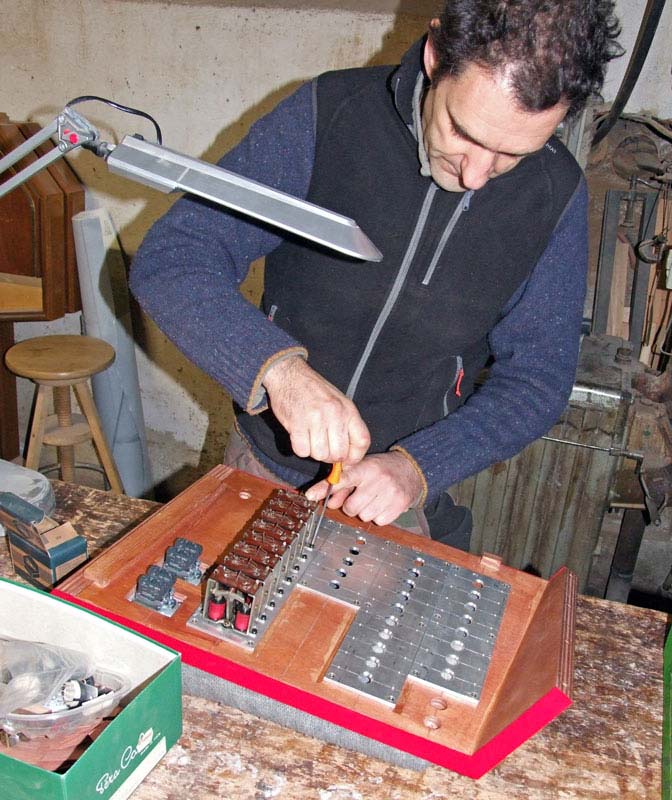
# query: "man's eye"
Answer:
x=459 y=133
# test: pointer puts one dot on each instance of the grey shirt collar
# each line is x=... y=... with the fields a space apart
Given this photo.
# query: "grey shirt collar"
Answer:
x=418 y=93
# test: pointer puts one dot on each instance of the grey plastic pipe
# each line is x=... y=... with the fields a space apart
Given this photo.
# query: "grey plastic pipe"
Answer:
x=106 y=315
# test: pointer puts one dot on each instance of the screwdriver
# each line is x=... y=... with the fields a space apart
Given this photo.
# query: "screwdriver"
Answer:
x=332 y=479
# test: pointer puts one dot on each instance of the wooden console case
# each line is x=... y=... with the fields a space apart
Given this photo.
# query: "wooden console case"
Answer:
x=527 y=685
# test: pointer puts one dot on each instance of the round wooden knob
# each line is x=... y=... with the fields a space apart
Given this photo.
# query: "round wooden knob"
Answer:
x=59 y=357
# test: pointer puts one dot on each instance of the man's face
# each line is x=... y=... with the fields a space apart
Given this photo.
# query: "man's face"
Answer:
x=473 y=130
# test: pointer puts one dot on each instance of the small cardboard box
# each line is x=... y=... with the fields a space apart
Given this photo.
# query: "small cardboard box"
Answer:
x=139 y=735
x=42 y=551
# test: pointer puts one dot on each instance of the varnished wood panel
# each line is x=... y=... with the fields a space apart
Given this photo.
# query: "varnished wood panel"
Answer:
x=36 y=236
x=73 y=197
x=9 y=426
x=32 y=231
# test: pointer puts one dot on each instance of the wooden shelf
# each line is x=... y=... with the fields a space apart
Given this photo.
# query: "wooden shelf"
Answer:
x=20 y=294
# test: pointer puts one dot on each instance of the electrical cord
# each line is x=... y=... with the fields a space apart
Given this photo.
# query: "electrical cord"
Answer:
x=126 y=109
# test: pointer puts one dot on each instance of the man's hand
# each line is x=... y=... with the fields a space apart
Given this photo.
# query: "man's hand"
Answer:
x=321 y=421
x=379 y=488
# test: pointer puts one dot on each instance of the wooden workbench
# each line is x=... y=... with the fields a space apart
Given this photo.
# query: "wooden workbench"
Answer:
x=608 y=745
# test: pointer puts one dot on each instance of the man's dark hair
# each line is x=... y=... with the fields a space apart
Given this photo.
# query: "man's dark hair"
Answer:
x=553 y=50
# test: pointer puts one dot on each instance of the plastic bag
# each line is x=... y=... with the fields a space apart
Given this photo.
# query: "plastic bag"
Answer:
x=31 y=673
x=27 y=484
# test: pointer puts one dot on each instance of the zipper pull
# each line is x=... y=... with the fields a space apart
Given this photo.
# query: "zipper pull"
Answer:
x=458 y=384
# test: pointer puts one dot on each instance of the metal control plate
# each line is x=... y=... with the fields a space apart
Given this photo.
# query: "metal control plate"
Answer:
x=417 y=615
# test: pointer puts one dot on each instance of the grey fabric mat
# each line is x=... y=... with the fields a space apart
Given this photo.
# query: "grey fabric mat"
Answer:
x=203 y=684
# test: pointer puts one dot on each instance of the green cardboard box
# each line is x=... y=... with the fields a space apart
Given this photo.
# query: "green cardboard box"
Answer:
x=149 y=723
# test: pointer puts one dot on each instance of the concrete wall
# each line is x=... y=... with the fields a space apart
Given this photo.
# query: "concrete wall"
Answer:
x=205 y=71
x=653 y=92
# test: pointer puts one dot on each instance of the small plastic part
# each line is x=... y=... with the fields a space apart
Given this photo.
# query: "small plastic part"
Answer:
x=31 y=673
x=76 y=693
x=216 y=609
x=72 y=693
x=335 y=475
x=241 y=622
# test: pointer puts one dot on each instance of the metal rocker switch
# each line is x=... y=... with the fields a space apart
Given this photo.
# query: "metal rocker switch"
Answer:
x=155 y=590
x=183 y=560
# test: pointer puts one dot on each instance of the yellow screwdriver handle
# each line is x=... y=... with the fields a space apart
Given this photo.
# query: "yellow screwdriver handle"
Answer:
x=335 y=475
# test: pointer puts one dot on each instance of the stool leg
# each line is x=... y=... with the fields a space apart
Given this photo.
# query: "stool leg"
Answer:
x=91 y=413
x=66 y=453
x=37 y=429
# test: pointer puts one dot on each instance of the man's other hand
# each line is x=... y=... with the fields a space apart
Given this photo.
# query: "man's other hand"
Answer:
x=321 y=421
x=378 y=488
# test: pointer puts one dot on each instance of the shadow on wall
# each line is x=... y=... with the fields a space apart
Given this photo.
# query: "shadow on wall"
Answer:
x=205 y=392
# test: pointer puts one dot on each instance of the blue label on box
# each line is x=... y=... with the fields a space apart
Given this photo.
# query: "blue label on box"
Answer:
x=39 y=567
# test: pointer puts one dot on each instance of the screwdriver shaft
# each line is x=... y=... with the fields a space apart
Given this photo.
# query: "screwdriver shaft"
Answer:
x=333 y=478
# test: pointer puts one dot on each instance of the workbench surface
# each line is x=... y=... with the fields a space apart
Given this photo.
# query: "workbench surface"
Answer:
x=607 y=745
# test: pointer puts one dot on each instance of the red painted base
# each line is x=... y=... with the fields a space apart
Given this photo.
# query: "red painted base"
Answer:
x=483 y=760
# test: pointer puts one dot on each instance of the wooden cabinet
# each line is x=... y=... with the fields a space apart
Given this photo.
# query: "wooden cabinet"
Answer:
x=38 y=269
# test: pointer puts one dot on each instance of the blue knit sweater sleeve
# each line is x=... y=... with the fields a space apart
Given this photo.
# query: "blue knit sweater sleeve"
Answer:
x=187 y=272
x=535 y=349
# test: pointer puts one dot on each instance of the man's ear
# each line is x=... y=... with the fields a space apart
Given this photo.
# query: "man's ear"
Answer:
x=429 y=55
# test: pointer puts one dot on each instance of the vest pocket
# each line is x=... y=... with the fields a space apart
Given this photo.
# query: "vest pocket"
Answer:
x=455 y=387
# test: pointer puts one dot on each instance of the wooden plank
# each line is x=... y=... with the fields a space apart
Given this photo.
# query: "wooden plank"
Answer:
x=47 y=234
x=9 y=425
x=20 y=294
x=557 y=479
x=593 y=476
x=493 y=487
x=659 y=301
x=651 y=319
x=617 y=317
x=526 y=497
x=19 y=223
x=73 y=194
x=542 y=518
x=507 y=507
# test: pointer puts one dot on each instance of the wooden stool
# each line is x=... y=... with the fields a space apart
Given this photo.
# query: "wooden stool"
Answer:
x=59 y=362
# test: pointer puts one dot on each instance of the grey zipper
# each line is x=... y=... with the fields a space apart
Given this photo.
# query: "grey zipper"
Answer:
x=458 y=368
x=463 y=205
x=395 y=290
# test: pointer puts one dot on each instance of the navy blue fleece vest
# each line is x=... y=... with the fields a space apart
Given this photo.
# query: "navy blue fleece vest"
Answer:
x=366 y=167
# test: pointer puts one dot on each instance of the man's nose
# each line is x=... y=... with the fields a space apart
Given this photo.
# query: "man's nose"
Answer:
x=477 y=166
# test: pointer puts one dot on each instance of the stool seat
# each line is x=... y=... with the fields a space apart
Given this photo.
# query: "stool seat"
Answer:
x=59 y=358
x=57 y=364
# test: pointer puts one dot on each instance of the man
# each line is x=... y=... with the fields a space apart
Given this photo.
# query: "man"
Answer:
x=448 y=165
